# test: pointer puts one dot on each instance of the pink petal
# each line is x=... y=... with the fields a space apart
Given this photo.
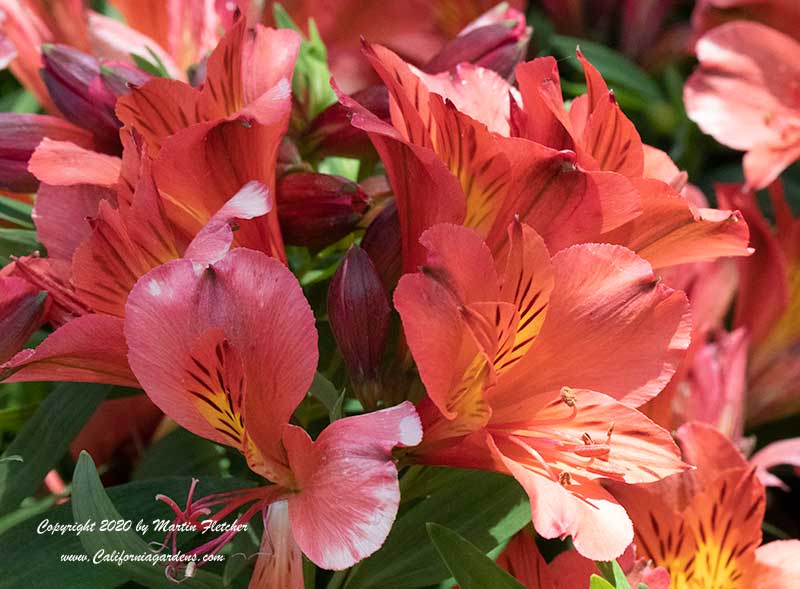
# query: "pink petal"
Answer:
x=780 y=452
x=599 y=526
x=215 y=239
x=672 y=231
x=90 y=348
x=60 y=215
x=253 y=307
x=280 y=562
x=347 y=482
x=62 y=163
x=777 y=565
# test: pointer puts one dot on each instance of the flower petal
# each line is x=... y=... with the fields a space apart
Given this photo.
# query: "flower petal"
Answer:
x=606 y=308
x=238 y=333
x=90 y=348
x=347 y=482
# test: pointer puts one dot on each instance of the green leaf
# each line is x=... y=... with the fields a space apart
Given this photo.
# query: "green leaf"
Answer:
x=45 y=438
x=485 y=508
x=617 y=69
x=470 y=567
x=180 y=453
x=153 y=66
x=597 y=582
x=17 y=242
x=32 y=559
x=16 y=212
x=90 y=503
x=311 y=81
x=612 y=573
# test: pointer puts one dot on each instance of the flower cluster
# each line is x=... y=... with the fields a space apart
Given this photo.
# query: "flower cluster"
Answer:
x=396 y=243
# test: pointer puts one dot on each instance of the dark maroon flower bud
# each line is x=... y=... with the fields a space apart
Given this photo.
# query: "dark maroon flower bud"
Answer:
x=383 y=242
x=497 y=40
x=86 y=92
x=23 y=309
x=118 y=77
x=332 y=134
x=316 y=210
x=20 y=134
x=358 y=311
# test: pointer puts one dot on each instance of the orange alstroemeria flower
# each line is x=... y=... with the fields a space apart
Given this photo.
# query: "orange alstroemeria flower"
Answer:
x=512 y=350
x=569 y=570
x=704 y=526
x=490 y=152
x=242 y=109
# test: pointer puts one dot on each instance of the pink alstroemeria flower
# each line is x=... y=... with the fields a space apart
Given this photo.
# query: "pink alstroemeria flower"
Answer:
x=228 y=350
x=749 y=73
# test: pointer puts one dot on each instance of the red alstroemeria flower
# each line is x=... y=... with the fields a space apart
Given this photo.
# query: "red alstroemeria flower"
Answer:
x=228 y=350
x=704 y=526
x=416 y=29
x=576 y=176
x=238 y=117
x=749 y=74
x=569 y=570
x=511 y=351
x=93 y=265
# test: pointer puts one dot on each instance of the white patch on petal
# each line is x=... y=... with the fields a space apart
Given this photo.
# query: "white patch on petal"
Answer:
x=154 y=288
x=410 y=430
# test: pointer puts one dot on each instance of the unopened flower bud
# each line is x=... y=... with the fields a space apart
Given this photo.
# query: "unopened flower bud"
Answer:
x=86 y=92
x=497 y=40
x=332 y=134
x=316 y=210
x=359 y=311
x=20 y=134
x=384 y=244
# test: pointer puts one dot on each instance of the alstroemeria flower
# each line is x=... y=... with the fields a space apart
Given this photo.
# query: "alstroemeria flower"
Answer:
x=749 y=74
x=29 y=24
x=569 y=570
x=704 y=526
x=770 y=315
x=239 y=116
x=512 y=351
x=93 y=265
x=490 y=152
x=228 y=350
x=782 y=15
x=416 y=29
x=186 y=29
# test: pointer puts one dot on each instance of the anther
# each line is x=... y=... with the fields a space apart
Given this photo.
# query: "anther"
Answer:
x=564 y=478
x=587 y=439
x=568 y=396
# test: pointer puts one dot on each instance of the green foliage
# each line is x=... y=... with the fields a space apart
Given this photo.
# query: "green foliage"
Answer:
x=45 y=438
x=485 y=508
x=311 y=81
x=470 y=567
x=91 y=503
